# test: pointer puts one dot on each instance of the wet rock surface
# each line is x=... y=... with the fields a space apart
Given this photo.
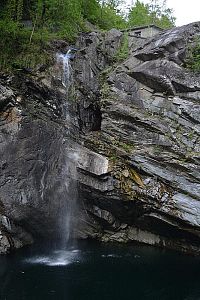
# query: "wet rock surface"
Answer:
x=135 y=130
x=32 y=151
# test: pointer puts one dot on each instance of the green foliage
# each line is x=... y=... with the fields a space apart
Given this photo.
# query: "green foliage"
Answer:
x=160 y=14
x=127 y=147
x=91 y=11
x=155 y=12
x=27 y=26
x=23 y=45
x=123 y=51
x=193 y=57
x=14 y=9
x=139 y=15
x=63 y=17
x=110 y=15
x=16 y=50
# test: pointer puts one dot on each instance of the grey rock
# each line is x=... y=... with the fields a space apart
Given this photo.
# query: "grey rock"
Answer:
x=134 y=128
x=149 y=133
x=4 y=244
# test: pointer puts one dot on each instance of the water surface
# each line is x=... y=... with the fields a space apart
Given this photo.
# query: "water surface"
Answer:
x=93 y=271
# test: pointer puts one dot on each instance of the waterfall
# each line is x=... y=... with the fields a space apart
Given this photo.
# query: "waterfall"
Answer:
x=65 y=189
x=69 y=212
x=68 y=173
x=65 y=75
x=64 y=61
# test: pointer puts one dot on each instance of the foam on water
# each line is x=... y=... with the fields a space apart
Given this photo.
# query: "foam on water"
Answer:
x=111 y=255
x=57 y=258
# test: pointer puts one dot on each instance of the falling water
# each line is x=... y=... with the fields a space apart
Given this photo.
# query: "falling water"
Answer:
x=67 y=191
x=64 y=61
x=69 y=214
x=69 y=169
x=65 y=75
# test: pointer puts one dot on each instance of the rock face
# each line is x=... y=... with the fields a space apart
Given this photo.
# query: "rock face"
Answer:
x=32 y=151
x=149 y=134
x=135 y=126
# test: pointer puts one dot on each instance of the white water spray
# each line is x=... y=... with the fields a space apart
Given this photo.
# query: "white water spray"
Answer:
x=64 y=60
x=70 y=162
x=64 y=252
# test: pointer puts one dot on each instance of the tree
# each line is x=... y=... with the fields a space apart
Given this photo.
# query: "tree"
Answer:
x=111 y=16
x=139 y=14
x=14 y=9
x=155 y=12
x=160 y=14
x=91 y=11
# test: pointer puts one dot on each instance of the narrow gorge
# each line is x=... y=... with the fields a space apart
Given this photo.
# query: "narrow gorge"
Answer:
x=104 y=143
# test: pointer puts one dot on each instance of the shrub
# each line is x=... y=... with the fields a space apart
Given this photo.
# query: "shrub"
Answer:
x=193 y=57
x=123 y=51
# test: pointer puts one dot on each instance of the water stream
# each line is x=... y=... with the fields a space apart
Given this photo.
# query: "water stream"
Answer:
x=64 y=61
x=64 y=250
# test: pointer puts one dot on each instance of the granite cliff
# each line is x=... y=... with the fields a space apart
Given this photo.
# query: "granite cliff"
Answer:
x=135 y=128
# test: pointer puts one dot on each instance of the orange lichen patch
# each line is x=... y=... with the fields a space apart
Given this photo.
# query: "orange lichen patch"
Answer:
x=126 y=178
x=11 y=115
x=135 y=177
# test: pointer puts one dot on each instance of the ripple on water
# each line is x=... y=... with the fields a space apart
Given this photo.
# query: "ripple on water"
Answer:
x=111 y=255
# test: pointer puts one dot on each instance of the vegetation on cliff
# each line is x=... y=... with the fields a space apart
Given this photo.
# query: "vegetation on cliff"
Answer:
x=193 y=57
x=26 y=26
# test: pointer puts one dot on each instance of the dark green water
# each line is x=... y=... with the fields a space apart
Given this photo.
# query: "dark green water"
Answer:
x=99 y=272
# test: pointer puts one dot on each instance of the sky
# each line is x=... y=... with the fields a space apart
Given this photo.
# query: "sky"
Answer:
x=185 y=11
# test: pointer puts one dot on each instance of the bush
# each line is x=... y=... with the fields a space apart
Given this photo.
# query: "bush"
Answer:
x=16 y=49
x=123 y=51
x=193 y=57
x=21 y=46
